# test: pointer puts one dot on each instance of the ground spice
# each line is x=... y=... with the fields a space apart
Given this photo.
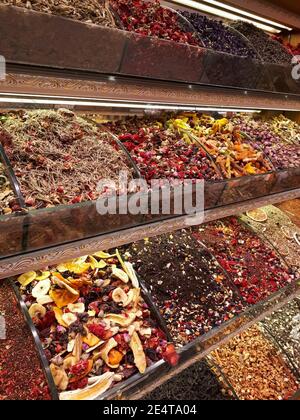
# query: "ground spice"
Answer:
x=59 y=158
x=255 y=368
x=186 y=283
x=21 y=375
x=195 y=383
x=88 y=11
x=280 y=231
x=285 y=326
x=254 y=266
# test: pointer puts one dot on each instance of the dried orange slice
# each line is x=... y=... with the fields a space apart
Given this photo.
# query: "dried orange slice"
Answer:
x=258 y=215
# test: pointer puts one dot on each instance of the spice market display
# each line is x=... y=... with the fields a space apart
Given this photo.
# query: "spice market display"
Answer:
x=107 y=290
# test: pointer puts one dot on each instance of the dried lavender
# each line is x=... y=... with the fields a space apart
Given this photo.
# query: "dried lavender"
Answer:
x=217 y=36
x=88 y=11
x=59 y=158
x=285 y=326
x=270 y=51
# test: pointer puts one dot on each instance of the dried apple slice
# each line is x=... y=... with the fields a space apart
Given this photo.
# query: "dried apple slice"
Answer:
x=131 y=273
x=27 y=278
x=102 y=384
x=41 y=289
x=119 y=296
x=69 y=318
x=138 y=353
x=37 y=310
x=121 y=320
x=77 y=308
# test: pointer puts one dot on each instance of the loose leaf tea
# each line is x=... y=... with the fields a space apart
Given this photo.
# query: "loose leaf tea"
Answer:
x=217 y=36
x=263 y=135
x=59 y=158
x=88 y=11
x=149 y=18
x=187 y=284
x=162 y=154
x=270 y=51
x=21 y=374
x=253 y=265
x=280 y=231
x=255 y=368
x=94 y=325
x=195 y=383
x=285 y=326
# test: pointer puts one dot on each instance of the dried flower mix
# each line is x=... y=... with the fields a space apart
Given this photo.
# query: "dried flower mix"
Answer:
x=268 y=49
x=281 y=232
x=195 y=383
x=92 y=338
x=88 y=11
x=279 y=149
x=255 y=368
x=186 y=283
x=149 y=18
x=59 y=158
x=232 y=152
x=287 y=129
x=284 y=325
x=217 y=36
x=253 y=265
x=21 y=374
x=162 y=154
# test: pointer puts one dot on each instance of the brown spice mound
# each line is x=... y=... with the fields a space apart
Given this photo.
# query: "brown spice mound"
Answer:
x=88 y=11
x=255 y=368
x=21 y=376
x=59 y=158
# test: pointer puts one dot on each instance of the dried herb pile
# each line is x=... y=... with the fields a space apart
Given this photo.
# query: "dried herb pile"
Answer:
x=285 y=326
x=195 y=383
x=8 y=202
x=188 y=286
x=256 y=368
x=21 y=375
x=59 y=158
x=88 y=11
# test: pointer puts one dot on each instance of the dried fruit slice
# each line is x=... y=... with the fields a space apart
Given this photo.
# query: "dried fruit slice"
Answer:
x=44 y=300
x=133 y=298
x=64 y=283
x=119 y=296
x=138 y=353
x=131 y=273
x=115 y=357
x=97 y=264
x=77 y=349
x=103 y=255
x=60 y=377
x=27 y=278
x=89 y=367
x=62 y=297
x=105 y=351
x=69 y=361
x=120 y=275
x=43 y=276
x=77 y=308
x=37 y=311
x=69 y=318
x=258 y=215
x=58 y=315
x=91 y=340
x=41 y=289
x=121 y=320
x=102 y=384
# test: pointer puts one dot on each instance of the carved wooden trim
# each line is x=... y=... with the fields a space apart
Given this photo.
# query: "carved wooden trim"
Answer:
x=39 y=259
x=146 y=91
